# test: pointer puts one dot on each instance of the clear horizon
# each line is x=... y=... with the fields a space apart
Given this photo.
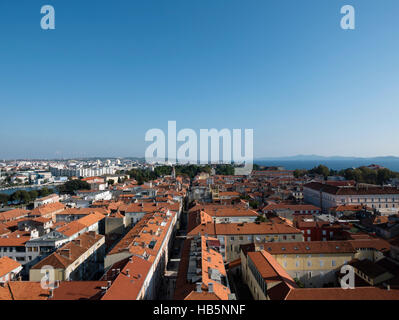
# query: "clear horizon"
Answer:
x=110 y=72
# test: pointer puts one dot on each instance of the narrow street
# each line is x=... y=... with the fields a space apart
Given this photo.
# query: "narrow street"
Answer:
x=169 y=279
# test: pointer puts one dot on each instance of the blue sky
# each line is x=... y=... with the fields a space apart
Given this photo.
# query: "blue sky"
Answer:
x=114 y=69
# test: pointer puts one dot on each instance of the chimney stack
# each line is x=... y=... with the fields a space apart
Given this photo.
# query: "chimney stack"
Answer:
x=127 y=272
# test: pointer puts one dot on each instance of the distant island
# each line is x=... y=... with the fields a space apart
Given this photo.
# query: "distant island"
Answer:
x=314 y=157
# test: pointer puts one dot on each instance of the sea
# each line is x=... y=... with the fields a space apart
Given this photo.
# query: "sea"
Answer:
x=332 y=164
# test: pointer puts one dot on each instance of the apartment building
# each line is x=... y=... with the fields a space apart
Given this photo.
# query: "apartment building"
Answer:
x=202 y=274
x=14 y=248
x=47 y=210
x=314 y=230
x=146 y=249
x=223 y=214
x=264 y=276
x=289 y=211
x=52 y=198
x=13 y=215
x=82 y=172
x=232 y=235
x=268 y=280
x=91 y=222
x=9 y=269
x=326 y=196
x=80 y=259
x=72 y=214
x=312 y=263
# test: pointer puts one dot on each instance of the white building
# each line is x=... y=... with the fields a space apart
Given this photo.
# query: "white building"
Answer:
x=326 y=196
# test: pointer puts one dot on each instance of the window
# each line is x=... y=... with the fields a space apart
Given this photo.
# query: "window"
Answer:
x=333 y=263
x=308 y=231
x=297 y=264
x=232 y=238
x=321 y=263
x=285 y=264
x=309 y=263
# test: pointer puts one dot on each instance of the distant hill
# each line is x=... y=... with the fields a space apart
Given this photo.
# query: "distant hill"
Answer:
x=313 y=157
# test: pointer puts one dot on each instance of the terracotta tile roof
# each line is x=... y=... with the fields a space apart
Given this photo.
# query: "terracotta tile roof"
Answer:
x=82 y=211
x=71 y=228
x=7 y=265
x=5 y=293
x=47 y=209
x=351 y=190
x=13 y=214
x=359 y=293
x=91 y=219
x=79 y=290
x=371 y=269
x=371 y=243
x=3 y=229
x=211 y=261
x=146 y=235
x=129 y=282
x=27 y=290
x=13 y=241
x=51 y=196
x=349 y=207
x=204 y=295
x=70 y=252
x=309 y=247
x=244 y=229
x=292 y=207
x=231 y=212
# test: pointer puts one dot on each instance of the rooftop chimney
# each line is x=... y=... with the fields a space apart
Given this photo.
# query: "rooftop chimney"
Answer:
x=127 y=272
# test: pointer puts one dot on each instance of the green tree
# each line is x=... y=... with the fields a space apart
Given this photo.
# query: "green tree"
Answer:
x=33 y=194
x=4 y=198
x=71 y=186
x=300 y=173
x=21 y=196
x=383 y=175
x=44 y=192
x=321 y=170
